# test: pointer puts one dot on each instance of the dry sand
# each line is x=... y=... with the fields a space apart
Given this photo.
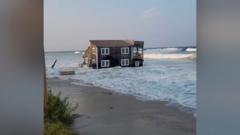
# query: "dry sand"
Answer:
x=104 y=112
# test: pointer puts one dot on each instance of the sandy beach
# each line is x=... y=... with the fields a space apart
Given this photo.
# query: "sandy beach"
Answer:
x=104 y=112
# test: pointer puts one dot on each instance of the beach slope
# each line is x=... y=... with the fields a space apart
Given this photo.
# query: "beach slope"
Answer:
x=104 y=112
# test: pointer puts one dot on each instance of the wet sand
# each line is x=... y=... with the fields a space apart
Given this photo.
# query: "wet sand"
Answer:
x=104 y=112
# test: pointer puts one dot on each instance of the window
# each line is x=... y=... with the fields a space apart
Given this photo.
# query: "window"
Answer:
x=105 y=63
x=105 y=51
x=140 y=50
x=134 y=49
x=125 y=50
x=124 y=62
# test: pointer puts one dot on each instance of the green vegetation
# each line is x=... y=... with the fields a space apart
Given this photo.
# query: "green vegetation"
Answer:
x=57 y=128
x=58 y=115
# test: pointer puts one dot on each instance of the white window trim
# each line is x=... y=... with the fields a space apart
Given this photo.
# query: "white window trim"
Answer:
x=104 y=51
x=124 y=62
x=125 y=50
x=105 y=63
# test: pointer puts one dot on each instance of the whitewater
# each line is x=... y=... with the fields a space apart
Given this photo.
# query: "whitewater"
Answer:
x=168 y=74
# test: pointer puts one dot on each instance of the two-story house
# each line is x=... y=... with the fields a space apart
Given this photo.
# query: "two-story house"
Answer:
x=110 y=53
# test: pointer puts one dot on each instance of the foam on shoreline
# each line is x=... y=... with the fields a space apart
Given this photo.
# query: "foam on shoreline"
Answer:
x=167 y=75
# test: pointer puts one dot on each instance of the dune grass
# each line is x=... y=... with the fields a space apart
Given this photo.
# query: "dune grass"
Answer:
x=57 y=128
x=58 y=116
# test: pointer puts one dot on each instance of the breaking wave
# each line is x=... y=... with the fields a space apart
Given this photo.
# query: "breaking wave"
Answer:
x=191 y=49
x=170 y=56
x=161 y=79
x=163 y=50
x=170 y=53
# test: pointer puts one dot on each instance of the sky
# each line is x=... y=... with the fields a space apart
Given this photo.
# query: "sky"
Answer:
x=70 y=24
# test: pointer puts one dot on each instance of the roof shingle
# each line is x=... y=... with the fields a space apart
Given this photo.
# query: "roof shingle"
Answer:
x=114 y=43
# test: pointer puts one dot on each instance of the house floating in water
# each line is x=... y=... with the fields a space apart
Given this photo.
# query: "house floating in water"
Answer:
x=110 y=53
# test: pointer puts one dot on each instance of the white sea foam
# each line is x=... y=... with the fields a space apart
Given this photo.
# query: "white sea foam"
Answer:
x=170 y=53
x=191 y=49
x=159 y=79
x=76 y=52
x=163 y=50
x=170 y=56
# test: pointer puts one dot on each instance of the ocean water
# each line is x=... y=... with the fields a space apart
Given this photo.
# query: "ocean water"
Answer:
x=168 y=74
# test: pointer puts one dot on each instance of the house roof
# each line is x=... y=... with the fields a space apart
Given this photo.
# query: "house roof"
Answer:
x=114 y=43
